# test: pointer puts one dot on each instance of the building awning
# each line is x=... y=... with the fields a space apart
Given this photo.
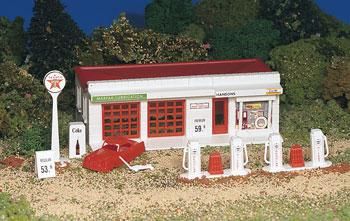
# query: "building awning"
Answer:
x=135 y=95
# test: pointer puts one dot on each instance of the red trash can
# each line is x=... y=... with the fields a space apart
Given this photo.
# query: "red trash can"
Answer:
x=296 y=157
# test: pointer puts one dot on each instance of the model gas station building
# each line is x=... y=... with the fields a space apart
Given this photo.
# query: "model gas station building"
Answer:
x=165 y=105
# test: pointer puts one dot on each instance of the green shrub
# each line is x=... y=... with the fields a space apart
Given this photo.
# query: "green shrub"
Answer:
x=38 y=137
x=15 y=209
x=337 y=81
x=302 y=70
x=296 y=121
x=4 y=121
x=34 y=139
x=63 y=124
x=23 y=100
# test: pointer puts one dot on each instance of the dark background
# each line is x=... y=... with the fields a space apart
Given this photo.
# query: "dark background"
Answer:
x=93 y=13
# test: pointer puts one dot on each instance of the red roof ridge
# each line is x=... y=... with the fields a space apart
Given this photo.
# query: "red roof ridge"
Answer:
x=122 y=66
x=158 y=70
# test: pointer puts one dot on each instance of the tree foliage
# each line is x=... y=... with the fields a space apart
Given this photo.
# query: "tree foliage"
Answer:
x=337 y=81
x=23 y=100
x=302 y=70
x=297 y=19
x=121 y=43
x=229 y=14
x=12 y=40
x=194 y=31
x=169 y=16
x=256 y=39
x=53 y=37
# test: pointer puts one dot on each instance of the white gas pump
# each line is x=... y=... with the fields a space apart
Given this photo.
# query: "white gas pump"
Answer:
x=319 y=146
x=239 y=156
x=275 y=153
x=192 y=154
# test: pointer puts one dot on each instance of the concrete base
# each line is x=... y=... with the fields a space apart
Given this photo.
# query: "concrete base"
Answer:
x=287 y=168
x=63 y=162
x=227 y=173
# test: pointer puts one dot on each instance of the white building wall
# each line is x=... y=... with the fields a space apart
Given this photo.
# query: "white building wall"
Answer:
x=229 y=81
x=198 y=117
x=198 y=90
x=232 y=116
x=95 y=125
x=276 y=115
x=143 y=120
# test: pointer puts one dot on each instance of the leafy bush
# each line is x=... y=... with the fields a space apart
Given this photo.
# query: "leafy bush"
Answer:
x=38 y=137
x=337 y=81
x=302 y=70
x=23 y=100
x=25 y=112
x=4 y=121
x=296 y=121
x=34 y=139
x=15 y=209
x=122 y=43
x=63 y=123
x=194 y=31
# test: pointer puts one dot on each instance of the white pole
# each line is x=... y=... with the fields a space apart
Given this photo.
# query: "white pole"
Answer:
x=54 y=82
x=55 y=141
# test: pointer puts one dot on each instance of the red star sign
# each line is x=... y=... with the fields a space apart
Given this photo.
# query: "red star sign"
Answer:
x=55 y=83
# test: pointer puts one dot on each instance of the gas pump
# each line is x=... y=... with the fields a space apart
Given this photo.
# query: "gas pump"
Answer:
x=192 y=154
x=319 y=145
x=239 y=156
x=275 y=153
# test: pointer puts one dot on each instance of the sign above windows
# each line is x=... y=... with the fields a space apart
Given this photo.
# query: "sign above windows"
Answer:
x=117 y=98
x=273 y=91
x=226 y=94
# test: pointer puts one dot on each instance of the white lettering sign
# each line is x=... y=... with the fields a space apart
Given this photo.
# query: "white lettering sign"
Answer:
x=199 y=125
x=44 y=164
x=226 y=94
x=199 y=105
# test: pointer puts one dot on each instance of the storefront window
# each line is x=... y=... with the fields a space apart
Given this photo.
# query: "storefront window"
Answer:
x=255 y=115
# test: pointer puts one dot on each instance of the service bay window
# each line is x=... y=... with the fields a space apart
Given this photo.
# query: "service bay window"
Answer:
x=166 y=118
x=255 y=115
x=121 y=119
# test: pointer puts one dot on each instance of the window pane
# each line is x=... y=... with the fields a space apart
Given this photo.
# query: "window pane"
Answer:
x=255 y=115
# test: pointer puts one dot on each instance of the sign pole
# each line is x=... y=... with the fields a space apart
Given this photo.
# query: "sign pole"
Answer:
x=54 y=82
x=55 y=140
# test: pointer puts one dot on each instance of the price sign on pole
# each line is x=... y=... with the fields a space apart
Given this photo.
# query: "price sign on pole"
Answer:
x=54 y=82
x=44 y=164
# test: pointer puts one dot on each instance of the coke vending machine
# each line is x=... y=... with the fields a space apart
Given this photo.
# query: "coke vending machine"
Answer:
x=77 y=139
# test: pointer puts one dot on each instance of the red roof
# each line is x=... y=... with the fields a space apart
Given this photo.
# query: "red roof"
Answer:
x=134 y=71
